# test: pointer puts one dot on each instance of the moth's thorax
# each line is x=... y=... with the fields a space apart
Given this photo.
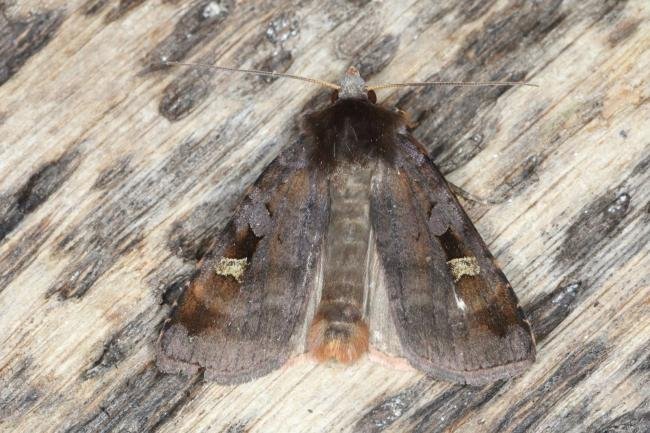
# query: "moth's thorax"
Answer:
x=353 y=130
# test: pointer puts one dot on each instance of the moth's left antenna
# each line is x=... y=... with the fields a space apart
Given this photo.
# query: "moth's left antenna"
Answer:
x=257 y=72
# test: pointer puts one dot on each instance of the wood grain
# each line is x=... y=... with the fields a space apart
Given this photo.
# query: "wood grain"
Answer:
x=115 y=173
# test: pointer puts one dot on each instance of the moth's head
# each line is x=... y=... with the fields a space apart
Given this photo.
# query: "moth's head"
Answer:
x=352 y=86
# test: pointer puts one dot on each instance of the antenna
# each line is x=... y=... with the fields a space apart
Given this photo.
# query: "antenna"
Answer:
x=256 y=72
x=337 y=87
x=453 y=83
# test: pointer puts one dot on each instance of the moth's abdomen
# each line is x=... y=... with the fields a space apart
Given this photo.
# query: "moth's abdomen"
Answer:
x=339 y=331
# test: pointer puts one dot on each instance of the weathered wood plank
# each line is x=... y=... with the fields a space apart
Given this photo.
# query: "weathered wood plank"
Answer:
x=115 y=173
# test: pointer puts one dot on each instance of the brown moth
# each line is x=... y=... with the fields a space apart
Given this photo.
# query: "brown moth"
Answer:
x=351 y=238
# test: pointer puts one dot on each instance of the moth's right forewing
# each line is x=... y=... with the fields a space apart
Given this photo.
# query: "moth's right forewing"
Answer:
x=454 y=311
x=237 y=318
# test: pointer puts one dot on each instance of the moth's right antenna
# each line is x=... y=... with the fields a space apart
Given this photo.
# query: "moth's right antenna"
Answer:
x=453 y=83
x=257 y=72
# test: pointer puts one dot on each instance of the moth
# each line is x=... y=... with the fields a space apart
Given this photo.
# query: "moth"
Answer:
x=350 y=241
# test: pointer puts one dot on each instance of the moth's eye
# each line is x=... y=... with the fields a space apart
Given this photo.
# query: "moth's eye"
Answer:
x=372 y=96
x=335 y=96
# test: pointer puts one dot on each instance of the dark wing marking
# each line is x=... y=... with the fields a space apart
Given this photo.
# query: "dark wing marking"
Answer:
x=455 y=313
x=238 y=316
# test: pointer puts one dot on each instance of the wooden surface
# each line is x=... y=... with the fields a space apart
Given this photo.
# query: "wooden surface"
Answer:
x=115 y=173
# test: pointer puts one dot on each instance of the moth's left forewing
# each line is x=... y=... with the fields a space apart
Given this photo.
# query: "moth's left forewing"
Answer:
x=455 y=313
x=242 y=315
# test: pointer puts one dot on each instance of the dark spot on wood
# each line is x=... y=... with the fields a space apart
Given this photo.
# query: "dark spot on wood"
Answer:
x=239 y=427
x=138 y=332
x=609 y=10
x=190 y=88
x=113 y=175
x=636 y=421
x=279 y=61
x=496 y=40
x=358 y=3
x=123 y=8
x=22 y=37
x=643 y=370
x=526 y=415
x=457 y=123
x=191 y=237
x=596 y=222
x=115 y=226
x=14 y=207
x=142 y=402
x=446 y=409
x=317 y=102
x=547 y=312
x=639 y=362
x=641 y=168
x=199 y=24
x=20 y=254
x=585 y=113
x=575 y=415
x=359 y=37
x=622 y=133
x=90 y=266
x=520 y=178
x=272 y=49
x=441 y=128
x=374 y=57
x=367 y=49
x=623 y=31
x=384 y=413
x=111 y=356
x=17 y=393
x=471 y=10
x=93 y=7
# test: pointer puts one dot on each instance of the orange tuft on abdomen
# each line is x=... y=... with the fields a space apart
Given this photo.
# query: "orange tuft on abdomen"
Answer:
x=342 y=341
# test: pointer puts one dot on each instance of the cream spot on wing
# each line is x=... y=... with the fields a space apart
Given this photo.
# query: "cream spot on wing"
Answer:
x=235 y=268
x=464 y=266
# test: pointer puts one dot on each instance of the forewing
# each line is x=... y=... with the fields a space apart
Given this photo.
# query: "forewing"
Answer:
x=239 y=316
x=455 y=313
